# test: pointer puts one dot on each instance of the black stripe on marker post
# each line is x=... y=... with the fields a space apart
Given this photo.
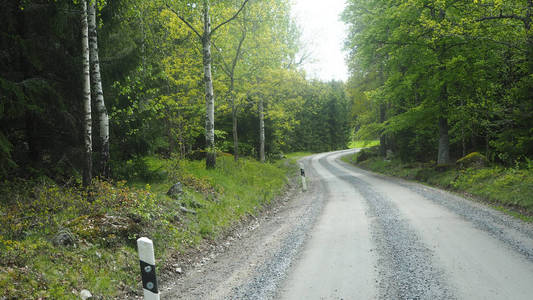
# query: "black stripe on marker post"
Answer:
x=148 y=277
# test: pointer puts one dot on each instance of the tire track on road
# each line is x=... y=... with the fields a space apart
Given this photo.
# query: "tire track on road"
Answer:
x=405 y=264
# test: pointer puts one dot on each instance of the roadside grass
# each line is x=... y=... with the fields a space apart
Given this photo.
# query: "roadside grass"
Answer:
x=507 y=189
x=363 y=144
x=105 y=221
x=297 y=155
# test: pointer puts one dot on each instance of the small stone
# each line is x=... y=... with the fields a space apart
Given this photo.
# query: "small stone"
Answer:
x=187 y=211
x=85 y=294
x=179 y=271
x=175 y=191
x=63 y=238
x=390 y=154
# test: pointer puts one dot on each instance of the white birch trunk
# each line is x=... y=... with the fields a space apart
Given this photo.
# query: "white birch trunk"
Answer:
x=87 y=121
x=209 y=94
x=261 y=131
x=103 y=117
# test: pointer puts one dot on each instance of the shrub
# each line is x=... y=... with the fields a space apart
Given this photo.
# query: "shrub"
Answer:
x=367 y=153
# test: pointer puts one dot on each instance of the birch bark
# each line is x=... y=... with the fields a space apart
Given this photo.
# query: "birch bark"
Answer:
x=87 y=120
x=210 y=161
x=96 y=78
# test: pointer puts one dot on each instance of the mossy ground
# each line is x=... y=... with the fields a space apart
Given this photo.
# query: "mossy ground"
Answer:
x=106 y=220
x=507 y=189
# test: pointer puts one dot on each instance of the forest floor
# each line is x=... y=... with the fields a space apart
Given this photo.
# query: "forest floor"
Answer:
x=505 y=189
x=57 y=240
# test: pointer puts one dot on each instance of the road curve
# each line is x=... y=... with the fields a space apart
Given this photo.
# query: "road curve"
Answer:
x=358 y=235
x=385 y=238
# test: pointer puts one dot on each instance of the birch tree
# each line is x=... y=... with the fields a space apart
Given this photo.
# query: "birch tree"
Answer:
x=205 y=37
x=230 y=71
x=87 y=120
x=96 y=78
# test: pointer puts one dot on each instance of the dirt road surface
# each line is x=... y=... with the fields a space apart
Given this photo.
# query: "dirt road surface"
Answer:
x=358 y=235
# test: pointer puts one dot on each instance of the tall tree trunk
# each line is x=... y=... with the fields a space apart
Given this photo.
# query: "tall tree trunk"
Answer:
x=210 y=162
x=463 y=134
x=98 y=93
x=23 y=65
x=233 y=104
x=87 y=126
x=444 y=142
x=235 y=136
x=529 y=47
x=382 y=140
x=443 y=156
x=529 y=43
x=261 y=131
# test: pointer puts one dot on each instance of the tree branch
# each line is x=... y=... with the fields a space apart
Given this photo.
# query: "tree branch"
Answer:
x=501 y=16
x=230 y=19
x=184 y=21
x=225 y=67
x=238 y=53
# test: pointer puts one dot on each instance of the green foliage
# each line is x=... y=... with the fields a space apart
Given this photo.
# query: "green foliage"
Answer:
x=363 y=143
x=365 y=154
x=138 y=169
x=414 y=63
x=106 y=219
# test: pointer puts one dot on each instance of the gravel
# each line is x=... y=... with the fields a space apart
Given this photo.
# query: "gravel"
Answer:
x=405 y=265
x=515 y=233
x=269 y=276
x=500 y=226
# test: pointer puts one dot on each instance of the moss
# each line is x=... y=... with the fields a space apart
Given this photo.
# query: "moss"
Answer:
x=472 y=160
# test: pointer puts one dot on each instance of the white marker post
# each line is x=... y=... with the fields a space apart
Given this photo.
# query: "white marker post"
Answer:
x=302 y=173
x=147 y=260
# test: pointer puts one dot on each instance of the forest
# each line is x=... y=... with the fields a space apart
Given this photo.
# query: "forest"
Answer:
x=437 y=80
x=89 y=88
x=106 y=107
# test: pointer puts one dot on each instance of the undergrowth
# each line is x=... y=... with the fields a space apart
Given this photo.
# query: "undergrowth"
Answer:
x=102 y=223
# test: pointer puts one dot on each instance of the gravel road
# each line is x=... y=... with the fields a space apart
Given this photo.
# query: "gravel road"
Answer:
x=358 y=235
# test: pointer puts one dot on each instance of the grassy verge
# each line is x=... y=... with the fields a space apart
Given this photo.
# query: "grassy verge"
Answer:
x=57 y=240
x=297 y=155
x=507 y=189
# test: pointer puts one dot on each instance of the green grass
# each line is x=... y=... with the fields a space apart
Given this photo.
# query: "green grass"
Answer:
x=363 y=144
x=106 y=222
x=297 y=155
x=508 y=189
